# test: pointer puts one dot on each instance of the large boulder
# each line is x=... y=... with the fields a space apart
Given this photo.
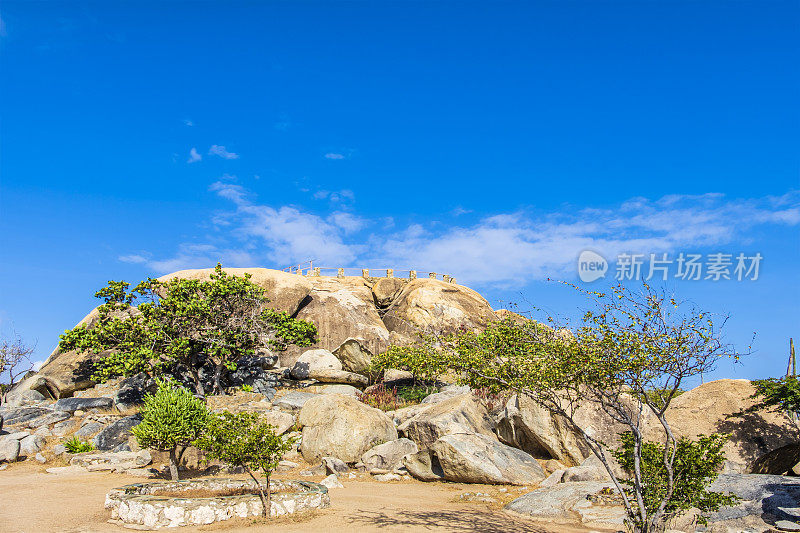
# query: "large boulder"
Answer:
x=726 y=406
x=767 y=503
x=115 y=434
x=9 y=449
x=569 y=502
x=71 y=405
x=784 y=460
x=329 y=375
x=340 y=426
x=286 y=292
x=341 y=309
x=312 y=361
x=473 y=458
x=461 y=414
x=355 y=357
x=425 y=304
x=390 y=454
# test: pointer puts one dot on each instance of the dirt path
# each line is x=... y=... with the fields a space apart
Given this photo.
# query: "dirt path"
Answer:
x=33 y=501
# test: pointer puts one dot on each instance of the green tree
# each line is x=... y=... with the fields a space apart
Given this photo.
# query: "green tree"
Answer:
x=186 y=321
x=244 y=440
x=171 y=421
x=424 y=359
x=695 y=467
x=783 y=393
x=630 y=354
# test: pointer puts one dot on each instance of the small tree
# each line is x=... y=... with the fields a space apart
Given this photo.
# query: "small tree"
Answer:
x=184 y=321
x=424 y=359
x=171 y=420
x=244 y=440
x=15 y=361
x=629 y=357
x=695 y=467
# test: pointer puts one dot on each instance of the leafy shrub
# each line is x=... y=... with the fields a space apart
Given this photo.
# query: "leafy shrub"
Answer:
x=244 y=440
x=247 y=388
x=424 y=360
x=381 y=397
x=171 y=418
x=694 y=468
x=783 y=393
x=75 y=445
x=412 y=394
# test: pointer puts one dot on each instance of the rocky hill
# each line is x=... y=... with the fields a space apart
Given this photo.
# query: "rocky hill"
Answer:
x=355 y=318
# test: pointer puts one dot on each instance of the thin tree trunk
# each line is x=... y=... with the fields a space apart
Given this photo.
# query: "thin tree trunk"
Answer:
x=217 y=379
x=173 y=465
x=265 y=500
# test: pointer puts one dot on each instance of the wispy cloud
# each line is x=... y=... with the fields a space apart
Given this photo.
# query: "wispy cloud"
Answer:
x=222 y=152
x=194 y=157
x=133 y=258
x=188 y=122
x=335 y=196
x=458 y=211
x=335 y=155
x=505 y=248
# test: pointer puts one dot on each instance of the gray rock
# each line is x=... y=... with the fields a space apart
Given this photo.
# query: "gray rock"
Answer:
x=83 y=404
x=314 y=360
x=556 y=502
x=133 y=389
x=778 y=462
x=22 y=414
x=89 y=430
x=450 y=391
x=115 y=434
x=584 y=473
x=786 y=525
x=31 y=445
x=64 y=427
x=25 y=397
x=293 y=401
x=390 y=454
x=459 y=414
x=473 y=458
x=9 y=450
x=764 y=497
x=334 y=465
x=59 y=449
x=424 y=466
x=41 y=458
x=47 y=419
x=332 y=482
x=43 y=431
x=16 y=435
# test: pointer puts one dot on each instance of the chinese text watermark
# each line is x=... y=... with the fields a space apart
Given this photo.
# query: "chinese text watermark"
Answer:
x=662 y=266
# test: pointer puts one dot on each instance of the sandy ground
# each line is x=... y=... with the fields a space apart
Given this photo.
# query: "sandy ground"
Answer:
x=33 y=501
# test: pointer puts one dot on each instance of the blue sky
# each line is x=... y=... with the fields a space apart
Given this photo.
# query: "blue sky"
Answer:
x=494 y=142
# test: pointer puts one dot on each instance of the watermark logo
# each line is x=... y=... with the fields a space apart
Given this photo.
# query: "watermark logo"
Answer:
x=591 y=266
x=685 y=266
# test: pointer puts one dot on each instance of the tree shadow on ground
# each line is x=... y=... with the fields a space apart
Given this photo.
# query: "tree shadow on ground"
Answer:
x=754 y=434
x=460 y=520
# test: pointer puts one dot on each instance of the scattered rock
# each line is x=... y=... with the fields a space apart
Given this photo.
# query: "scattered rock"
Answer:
x=31 y=445
x=332 y=482
x=9 y=450
x=24 y=397
x=784 y=460
x=334 y=465
x=390 y=454
x=387 y=477
x=553 y=479
x=59 y=449
x=115 y=434
x=561 y=502
x=72 y=469
x=424 y=466
x=293 y=401
x=476 y=497
x=71 y=405
x=133 y=389
x=41 y=458
x=340 y=426
x=20 y=415
x=765 y=500
x=391 y=374
x=89 y=430
x=64 y=427
x=461 y=414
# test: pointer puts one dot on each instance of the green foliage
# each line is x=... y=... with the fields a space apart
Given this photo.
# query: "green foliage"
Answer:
x=171 y=417
x=244 y=440
x=184 y=321
x=694 y=468
x=412 y=394
x=247 y=388
x=75 y=445
x=424 y=360
x=783 y=393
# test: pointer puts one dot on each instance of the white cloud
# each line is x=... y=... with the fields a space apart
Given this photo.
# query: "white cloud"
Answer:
x=335 y=196
x=222 y=152
x=133 y=258
x=502 y=249
x=194 y=156
x=188 y=123
x=458 y=211
x=335 y=155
